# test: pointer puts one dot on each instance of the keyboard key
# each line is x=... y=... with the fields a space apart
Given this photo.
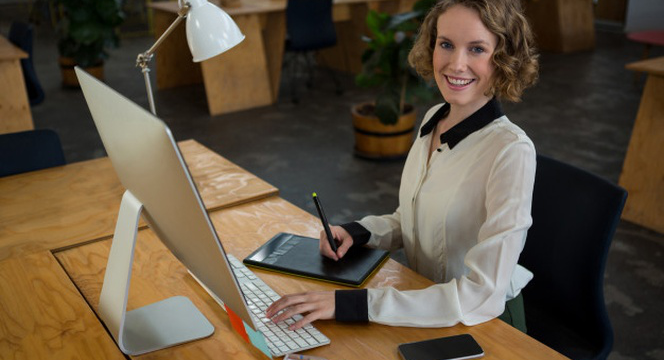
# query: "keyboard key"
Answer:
x=301 y=342
x=250 y=286
x=279 y=339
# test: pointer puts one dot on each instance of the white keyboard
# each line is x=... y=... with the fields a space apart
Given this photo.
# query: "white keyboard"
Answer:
x=279 y=339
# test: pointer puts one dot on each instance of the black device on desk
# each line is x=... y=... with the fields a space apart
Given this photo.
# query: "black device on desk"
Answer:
x=456 y=347
x=300 y=255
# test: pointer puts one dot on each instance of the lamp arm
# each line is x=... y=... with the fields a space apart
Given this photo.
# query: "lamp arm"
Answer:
x=144 y=58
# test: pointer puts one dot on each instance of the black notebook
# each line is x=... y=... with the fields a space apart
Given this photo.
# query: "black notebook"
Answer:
x=299 y=255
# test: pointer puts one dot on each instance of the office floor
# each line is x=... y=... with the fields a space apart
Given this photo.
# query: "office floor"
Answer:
x=581 y=112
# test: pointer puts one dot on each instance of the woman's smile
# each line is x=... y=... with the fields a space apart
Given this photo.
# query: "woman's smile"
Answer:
x=457 y=83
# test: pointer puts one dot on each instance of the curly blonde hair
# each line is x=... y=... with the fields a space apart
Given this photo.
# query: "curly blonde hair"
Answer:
x=514 y=59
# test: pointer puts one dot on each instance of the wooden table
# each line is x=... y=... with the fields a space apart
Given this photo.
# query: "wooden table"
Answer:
x=15 y=112
x=66 y=205
x=562 y=25
x=643 y=169
x=49 y=297
x=249 y=75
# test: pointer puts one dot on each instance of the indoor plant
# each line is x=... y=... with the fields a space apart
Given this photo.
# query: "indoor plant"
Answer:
x=87 y=28
x=384 y=127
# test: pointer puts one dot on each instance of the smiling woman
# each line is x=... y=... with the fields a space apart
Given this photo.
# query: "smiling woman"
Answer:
x=462 y=62
x=514 y=58
x=466 y=188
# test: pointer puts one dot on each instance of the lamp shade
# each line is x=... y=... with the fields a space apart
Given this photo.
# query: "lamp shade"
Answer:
x=210 y=31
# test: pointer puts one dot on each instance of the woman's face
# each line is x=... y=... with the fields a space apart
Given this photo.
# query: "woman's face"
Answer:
x=462 y=57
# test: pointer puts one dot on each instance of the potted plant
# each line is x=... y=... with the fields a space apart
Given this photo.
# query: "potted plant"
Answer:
x=384 y=128
x=87 y=28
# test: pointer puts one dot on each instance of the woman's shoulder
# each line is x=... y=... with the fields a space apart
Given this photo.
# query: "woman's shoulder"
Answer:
x=507 y=132
x=504 y=138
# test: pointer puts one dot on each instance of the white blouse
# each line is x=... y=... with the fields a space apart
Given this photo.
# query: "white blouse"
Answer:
x=462 y=221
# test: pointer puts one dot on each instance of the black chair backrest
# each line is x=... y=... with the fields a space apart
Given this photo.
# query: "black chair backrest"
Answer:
x=575 y=214
x=20 y=34
x=29 y=150
x=309 y=25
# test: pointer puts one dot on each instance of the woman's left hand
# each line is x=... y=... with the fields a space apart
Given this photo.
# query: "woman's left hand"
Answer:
x=315 y=304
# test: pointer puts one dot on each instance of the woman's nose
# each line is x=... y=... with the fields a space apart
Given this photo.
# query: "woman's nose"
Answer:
x=458 y=61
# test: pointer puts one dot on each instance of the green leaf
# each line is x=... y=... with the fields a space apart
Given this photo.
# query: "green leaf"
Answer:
x=87 y=33
x=387 y=107
x=400 y=20
x=374 y=22
x=385 y=62
x=88 y=29
x=109 y=12
x=402 y=55
x=79 y=15
x=367 y=54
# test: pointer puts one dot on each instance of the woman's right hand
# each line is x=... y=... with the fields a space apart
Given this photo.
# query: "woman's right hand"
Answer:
x=342 y=238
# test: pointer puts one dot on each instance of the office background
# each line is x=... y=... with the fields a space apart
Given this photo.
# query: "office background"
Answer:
x=581 y=112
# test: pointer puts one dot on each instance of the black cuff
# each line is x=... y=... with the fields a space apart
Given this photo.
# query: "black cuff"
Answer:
x=351 y=305
x=358 y=232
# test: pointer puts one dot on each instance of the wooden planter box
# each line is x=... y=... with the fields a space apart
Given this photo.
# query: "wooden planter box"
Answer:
x=377 y=141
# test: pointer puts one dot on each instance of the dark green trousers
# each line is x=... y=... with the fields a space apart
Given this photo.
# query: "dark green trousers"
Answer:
x=514 y=313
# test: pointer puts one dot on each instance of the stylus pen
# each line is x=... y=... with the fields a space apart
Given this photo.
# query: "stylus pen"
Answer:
x=326 y=226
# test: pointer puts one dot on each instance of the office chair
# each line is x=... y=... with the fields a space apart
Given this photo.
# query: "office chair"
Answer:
x=29 y=150
x=309 y=28
x=575 y=214
x=20 y=34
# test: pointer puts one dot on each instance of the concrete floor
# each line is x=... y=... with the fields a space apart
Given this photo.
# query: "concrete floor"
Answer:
x=580 y=112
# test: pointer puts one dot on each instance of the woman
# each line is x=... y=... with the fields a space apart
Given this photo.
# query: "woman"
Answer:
x=466 y=188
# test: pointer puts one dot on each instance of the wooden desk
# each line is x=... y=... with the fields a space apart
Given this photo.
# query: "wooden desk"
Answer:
x=61 y=206
x=249 y=75
x=157 y=275
x=49 y=297
x=643 y=169
x=15 y=112
x=43 y=315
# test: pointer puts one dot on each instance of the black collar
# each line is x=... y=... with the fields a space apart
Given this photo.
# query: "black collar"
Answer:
x=479 y=119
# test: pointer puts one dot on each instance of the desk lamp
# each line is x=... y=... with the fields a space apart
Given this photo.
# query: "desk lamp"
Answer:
x=210 y=32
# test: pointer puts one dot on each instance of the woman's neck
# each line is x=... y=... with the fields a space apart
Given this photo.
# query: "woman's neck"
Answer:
x=458 y=113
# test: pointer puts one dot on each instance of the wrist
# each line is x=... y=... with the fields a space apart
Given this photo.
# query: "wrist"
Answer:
x=351 y=305
x=357 y=232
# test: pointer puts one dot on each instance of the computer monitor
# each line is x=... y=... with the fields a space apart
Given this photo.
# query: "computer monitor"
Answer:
x=159 y=186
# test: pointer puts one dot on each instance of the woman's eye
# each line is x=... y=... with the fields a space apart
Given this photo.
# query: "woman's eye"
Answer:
x=445 y=45
x=477 y=49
